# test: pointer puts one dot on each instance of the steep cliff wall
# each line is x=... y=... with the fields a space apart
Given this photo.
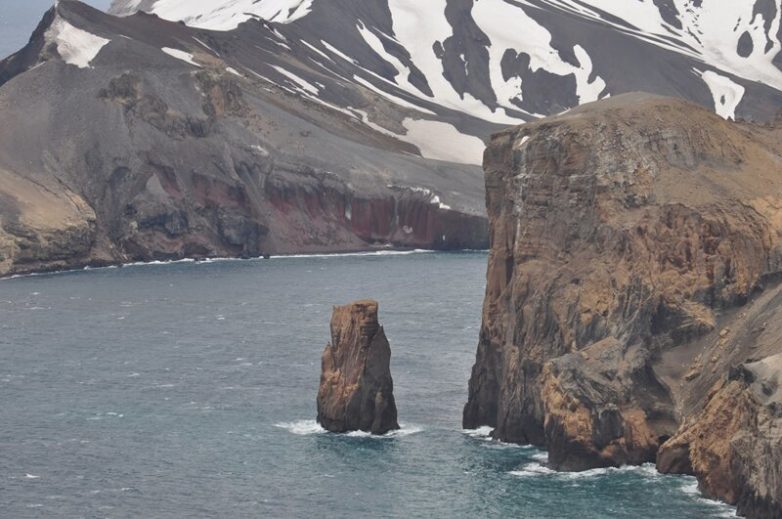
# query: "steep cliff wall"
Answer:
x=625 y=237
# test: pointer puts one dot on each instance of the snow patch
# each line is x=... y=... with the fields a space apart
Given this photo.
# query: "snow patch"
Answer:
x=338 y=52
x=503 y=23
x=435 y=200
x=710 y=32
x=75 y=46
x=180 y=55
x=317 y=50
x=727 y=94
x=226 y=15
x=302 y=83
x=442 y=141
x=402 y=71
x=407 y=16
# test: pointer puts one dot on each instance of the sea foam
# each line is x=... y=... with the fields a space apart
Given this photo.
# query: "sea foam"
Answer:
x=308 y=427
x=302 y=427
x=532 y=469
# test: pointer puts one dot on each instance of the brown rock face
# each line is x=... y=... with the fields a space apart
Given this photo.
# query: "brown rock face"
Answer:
x=734 y=445
x=635 y=252
x=356 y=390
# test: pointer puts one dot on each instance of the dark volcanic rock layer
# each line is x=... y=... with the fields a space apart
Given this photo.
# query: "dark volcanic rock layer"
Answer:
x=636 y=247
x=356 y=389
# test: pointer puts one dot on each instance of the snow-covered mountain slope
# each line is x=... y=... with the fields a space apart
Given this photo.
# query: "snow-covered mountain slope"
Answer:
x=505 y=61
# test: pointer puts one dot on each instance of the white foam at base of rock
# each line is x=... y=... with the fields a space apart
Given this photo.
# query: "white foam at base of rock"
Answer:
x=483 y=432
x=180 y=55
x=302 y=427
x=536 y=468
x=532 y=469
x=690 y=486
x=310 y=427
x=75 y=46
x=404 y=430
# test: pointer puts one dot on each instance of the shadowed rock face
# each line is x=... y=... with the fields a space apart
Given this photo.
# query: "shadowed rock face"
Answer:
x=636 y=247
x=356 y=389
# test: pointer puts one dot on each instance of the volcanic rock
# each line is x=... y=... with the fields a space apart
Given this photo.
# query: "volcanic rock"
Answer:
x=636 y=252
x=356 y=389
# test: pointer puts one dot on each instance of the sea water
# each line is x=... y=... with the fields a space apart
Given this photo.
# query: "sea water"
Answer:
x=188 y=390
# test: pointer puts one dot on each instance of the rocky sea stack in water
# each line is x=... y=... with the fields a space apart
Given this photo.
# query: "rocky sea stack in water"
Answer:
x=356 y=390
x=633 y=305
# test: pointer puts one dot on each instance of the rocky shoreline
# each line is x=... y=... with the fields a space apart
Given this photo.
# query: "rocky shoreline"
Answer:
x=207 y=260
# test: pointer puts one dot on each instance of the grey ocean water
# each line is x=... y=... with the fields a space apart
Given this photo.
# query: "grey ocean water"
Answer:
x=188 y=390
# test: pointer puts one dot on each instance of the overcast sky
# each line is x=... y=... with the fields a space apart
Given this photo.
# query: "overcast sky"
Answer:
x=18 y=19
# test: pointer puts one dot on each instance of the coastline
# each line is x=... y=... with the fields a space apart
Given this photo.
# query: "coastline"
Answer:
x=206 y=261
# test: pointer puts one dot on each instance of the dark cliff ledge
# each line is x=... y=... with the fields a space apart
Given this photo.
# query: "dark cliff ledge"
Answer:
x=635 y=251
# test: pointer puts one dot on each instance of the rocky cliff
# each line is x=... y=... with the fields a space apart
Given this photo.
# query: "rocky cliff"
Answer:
x=356 y=390
x=636 y=247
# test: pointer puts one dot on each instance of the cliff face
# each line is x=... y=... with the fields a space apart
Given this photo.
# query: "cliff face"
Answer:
x=628 y=238
x=356 y=390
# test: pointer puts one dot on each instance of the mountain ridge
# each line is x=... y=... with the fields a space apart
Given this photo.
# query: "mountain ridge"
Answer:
x=490 y=51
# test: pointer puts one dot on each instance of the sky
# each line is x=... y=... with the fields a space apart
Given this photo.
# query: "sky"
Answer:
x=18 y=19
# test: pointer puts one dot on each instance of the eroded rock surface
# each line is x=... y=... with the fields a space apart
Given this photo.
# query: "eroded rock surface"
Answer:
x=734 y=445
x=635 y=252
x=356 y=389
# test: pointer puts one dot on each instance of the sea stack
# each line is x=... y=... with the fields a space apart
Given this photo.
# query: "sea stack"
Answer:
x=356 y=389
